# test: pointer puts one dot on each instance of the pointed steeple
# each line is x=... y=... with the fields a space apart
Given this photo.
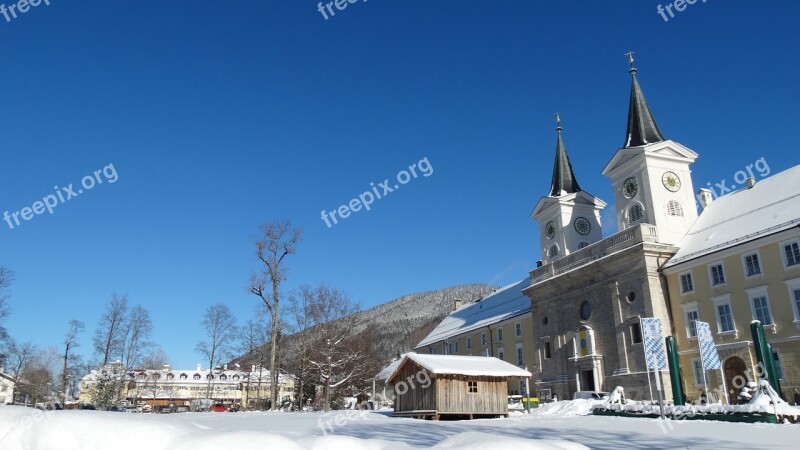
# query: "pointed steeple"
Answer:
x=564 y=181
x=642 y=126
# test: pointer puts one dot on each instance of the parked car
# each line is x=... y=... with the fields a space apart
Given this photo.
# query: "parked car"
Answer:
x=590 y=395
x=218 y=407
x=182 y=409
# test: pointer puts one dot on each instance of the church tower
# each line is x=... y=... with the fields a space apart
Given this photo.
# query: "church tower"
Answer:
x=650 y=175
x=569 y=218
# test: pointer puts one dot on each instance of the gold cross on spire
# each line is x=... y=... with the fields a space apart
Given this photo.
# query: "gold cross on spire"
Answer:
x=630 y=58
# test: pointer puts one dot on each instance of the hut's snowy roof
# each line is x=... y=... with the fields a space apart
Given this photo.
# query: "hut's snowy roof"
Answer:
x=482 y=366
x=503 y=304
x=769 y=207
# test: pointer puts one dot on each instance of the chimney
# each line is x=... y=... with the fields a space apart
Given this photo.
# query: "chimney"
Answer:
x=705 y=196
x=457 y=304
x=198 y=367
x=225 y=367
x=751 y=182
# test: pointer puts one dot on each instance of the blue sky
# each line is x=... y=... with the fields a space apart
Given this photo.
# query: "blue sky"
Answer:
x=219 y=116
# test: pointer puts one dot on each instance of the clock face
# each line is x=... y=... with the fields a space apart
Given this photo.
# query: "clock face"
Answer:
x=550 y=230
x=630 y=187
x=582 y=226
x=671 y=181
x=586 y=311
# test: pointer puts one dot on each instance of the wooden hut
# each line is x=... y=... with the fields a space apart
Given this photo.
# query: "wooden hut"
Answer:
x=458 y=387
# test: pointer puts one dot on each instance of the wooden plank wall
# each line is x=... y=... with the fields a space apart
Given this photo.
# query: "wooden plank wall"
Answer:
x=454 y=396
x=417 y=398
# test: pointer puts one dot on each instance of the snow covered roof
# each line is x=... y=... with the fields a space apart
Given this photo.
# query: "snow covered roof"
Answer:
x=503 y=304
x=483 y=366
x=390 y=369
x=771 y=206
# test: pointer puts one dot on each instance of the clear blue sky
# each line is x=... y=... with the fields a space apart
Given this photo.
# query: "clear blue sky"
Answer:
x=219 y=116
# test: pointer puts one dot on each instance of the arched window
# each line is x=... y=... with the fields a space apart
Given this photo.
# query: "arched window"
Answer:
x=635 y=213
x=236 y=378
x=183 y=376
x=583 y=244
x=209 y=377
x=553 y=251
x=170 y=376
x=156 y=376
x=674 y=208
x=196 y=376
x=223 y=377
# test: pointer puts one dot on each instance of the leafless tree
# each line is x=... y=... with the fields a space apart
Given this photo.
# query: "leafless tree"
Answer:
x=6 y=276
x=20 y=357
x=109 y=336
x=253 y=345
x=137 y=330
x=276 y=241
x=302 y=320
x=157 y=359
x=335 y=355
x=70 y=342
x=221 y=333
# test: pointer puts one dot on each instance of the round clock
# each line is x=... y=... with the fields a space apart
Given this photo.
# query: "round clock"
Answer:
x=671 y=181
x=630 y=187
x=550 y=230
x=582 y=226
x=586 y=311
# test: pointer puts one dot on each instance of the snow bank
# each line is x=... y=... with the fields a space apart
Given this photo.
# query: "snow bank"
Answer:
x=568 y=408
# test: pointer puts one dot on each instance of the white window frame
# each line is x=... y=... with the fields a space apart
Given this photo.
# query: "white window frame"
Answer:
x=785 y=260
x=501 y=354
x=469 y=343
x=794 y=285
x=711 y=274
x=500 y=334
x=520 y=355
x=674 y=208
x=760 y=265
x=483 y=338
x=518 y=329
x=687 y=308
x=691 y=280
x=545 y=346
x=720 y=301
x=759 y=292
x=455 y=345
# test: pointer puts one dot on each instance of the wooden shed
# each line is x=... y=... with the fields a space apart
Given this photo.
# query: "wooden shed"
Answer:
x=458 y=387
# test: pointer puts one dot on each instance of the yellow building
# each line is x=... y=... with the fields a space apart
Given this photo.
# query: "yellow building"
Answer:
x=180 y=387
x=498 y=325
x=740 y=262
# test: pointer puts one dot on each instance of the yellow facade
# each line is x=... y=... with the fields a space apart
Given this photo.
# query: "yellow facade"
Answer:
x=759 y=283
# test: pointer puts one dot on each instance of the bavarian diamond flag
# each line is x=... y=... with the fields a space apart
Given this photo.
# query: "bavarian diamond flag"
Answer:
x=708 y=350
x=655 y=353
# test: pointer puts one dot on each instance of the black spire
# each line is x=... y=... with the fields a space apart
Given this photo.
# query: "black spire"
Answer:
x=564 y=181
x=642 y=126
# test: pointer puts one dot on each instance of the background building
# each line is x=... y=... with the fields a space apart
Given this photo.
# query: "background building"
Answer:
x=741 y=262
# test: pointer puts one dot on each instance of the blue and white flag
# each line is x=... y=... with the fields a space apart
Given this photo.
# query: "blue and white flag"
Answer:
x=708 y=351
x=654 y=347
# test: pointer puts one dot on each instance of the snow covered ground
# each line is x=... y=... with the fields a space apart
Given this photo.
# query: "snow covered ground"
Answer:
x=555 y=426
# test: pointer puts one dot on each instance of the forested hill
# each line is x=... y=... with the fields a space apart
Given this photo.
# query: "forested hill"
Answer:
x=396 y=326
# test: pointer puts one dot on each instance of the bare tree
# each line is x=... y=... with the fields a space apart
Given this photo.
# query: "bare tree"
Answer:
x=253 y=345
x=303 y=319
x=157 y=359
x=6 y=276
x=70 y=342
x=20 y=357
x=220 y=329
x=109 y=336
x=276 y=241
x=138 y=329
x=335 y=355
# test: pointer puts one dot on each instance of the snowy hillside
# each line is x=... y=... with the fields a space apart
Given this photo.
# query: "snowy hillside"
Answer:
x=396 y=326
